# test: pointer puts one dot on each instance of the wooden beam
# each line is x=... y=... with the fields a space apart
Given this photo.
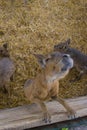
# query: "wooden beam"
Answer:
x=30 y=116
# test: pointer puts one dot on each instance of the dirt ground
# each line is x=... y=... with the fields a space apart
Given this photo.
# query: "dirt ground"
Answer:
x=36 y=27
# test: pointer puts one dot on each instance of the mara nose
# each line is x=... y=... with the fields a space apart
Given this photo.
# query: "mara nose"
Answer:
x=66 y=55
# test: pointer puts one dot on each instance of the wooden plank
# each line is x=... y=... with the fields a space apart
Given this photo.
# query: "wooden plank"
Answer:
x=30 y=116
x=76 y=124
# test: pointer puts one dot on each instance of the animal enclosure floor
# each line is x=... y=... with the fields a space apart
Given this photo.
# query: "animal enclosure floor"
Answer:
x=30 y=116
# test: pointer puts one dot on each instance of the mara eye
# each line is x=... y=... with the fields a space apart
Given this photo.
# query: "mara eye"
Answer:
x=60 y=47
x=1 y=51
x=47 y=59
x=54 y=67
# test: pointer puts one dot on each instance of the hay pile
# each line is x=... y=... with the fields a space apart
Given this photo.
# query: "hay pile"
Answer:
x=37 y=27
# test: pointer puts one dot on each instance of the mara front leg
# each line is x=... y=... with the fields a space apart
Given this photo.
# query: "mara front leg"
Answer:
x=46 y=115
x=71 y=112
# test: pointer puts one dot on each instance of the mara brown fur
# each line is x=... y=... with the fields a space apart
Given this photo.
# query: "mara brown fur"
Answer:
x=55 y=66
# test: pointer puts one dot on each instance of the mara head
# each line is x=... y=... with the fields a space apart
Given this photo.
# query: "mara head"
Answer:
x=56 y=64
x=62 y=47
x=4 y=50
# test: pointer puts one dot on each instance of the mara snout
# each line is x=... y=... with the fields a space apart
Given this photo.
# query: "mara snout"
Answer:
x=45 y=85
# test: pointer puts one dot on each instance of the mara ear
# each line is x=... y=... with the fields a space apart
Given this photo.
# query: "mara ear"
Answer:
x=41 y=59
x=5 y=45
x=68 y=41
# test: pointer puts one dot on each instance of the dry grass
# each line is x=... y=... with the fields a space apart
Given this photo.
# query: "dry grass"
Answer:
x=37 y=27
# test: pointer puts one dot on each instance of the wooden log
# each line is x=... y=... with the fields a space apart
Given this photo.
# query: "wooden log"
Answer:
x=30 y=116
